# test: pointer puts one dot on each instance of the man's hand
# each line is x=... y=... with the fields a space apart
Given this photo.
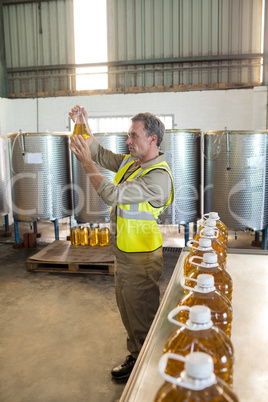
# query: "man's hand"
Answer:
x=73 y=112
x=81 y=150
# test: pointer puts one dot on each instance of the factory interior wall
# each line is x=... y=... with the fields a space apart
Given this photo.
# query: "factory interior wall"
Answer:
x=236 y=109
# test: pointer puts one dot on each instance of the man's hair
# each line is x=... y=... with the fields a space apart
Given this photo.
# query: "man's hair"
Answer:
x=152 y=125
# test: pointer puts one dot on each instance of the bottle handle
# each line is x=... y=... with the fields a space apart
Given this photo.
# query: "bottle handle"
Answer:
x=174 y=312
x=191 y=242
x=162 y=365
x=196 y=257
x=186 y=278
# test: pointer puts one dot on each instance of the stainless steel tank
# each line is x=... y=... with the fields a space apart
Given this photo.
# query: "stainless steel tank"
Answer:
x=40 y=166
x=4 y=209
x=236 y=177
x=182 y=149
x=88 y=205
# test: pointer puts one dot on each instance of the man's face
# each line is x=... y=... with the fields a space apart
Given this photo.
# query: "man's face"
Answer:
x=138 y=142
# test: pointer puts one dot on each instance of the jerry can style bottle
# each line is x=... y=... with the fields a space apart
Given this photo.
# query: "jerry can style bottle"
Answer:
x=204 y=293
x=211 y=223
x=80 y=126
x=203 y=246
x=208 y=264
x=220 y=225
x=196 y=383
x=216 y=244
x=199 y=334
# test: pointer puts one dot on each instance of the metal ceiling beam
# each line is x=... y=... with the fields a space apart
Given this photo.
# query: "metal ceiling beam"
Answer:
x=17 y=2
x=141 y=62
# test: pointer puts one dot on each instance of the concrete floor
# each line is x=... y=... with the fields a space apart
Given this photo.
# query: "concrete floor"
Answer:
x=60 y=333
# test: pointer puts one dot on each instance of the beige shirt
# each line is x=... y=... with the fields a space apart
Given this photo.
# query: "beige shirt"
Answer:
x=154 y=187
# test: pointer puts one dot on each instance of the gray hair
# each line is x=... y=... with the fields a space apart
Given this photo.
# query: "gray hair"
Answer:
x=152 y=125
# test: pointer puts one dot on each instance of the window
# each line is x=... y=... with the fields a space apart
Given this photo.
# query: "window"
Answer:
x=90 y=35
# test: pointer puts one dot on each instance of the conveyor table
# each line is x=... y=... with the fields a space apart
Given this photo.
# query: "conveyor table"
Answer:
x=249 y=271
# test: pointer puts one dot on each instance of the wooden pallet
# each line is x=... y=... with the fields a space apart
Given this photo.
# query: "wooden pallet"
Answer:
x=62 y=257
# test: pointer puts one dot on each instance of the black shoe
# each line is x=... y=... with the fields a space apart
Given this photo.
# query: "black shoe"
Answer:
x=124 y=370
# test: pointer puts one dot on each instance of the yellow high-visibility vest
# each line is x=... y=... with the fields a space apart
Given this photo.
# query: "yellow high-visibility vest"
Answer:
x=137 y=229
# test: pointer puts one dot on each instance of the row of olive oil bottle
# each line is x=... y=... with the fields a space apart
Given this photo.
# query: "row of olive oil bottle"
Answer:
x=198 y=357
x=90 y=235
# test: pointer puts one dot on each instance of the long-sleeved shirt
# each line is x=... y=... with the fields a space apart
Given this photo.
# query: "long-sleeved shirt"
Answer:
x=154 y=187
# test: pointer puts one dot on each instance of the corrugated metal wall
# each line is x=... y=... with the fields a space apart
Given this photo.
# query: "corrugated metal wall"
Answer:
x=152 y=45
x=190 y=42
x=39 y=38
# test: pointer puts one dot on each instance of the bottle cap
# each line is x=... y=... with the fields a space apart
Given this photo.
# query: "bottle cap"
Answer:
x=214 y=215
x=199 y=365
x=205 y=281
x=197 y=374
x=210 y=258
x=200 y=314
x=208 y=231
x=211 y=223
x=204 y=242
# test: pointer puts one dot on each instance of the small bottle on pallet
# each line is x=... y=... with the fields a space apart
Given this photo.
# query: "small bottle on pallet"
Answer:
x=94 y=235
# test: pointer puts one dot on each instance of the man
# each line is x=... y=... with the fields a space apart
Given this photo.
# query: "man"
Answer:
x=142 y=189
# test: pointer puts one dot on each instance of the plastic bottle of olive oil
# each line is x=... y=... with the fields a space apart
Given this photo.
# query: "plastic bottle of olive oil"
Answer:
x=197 y=382
x=222 y=237
x=199 y=334
x=104 y=236
x=203 y=246
x=205 y=293
x=217 y=245
x=83 y=234
x=208 y=264
x=94 y=235
x=220 y=225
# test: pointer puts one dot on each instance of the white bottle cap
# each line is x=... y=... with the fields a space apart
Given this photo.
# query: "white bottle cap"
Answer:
x=205 y=281
x=208 y=231
x=199 y=365
x=211 y=223
x=203 y=242
x=210 y=258
x=200 y=314
x=214 y=215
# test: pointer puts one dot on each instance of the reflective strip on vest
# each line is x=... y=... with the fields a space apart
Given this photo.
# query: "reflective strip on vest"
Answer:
x=135 y=214
x=125 y=161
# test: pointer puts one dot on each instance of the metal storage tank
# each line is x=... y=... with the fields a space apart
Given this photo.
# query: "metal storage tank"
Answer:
x=236 y=177
x=88 y=205
x=40 y=166
x=182 y=149
x=4 y=209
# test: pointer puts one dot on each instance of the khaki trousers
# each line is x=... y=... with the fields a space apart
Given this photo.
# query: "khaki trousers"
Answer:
x=137 y=293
